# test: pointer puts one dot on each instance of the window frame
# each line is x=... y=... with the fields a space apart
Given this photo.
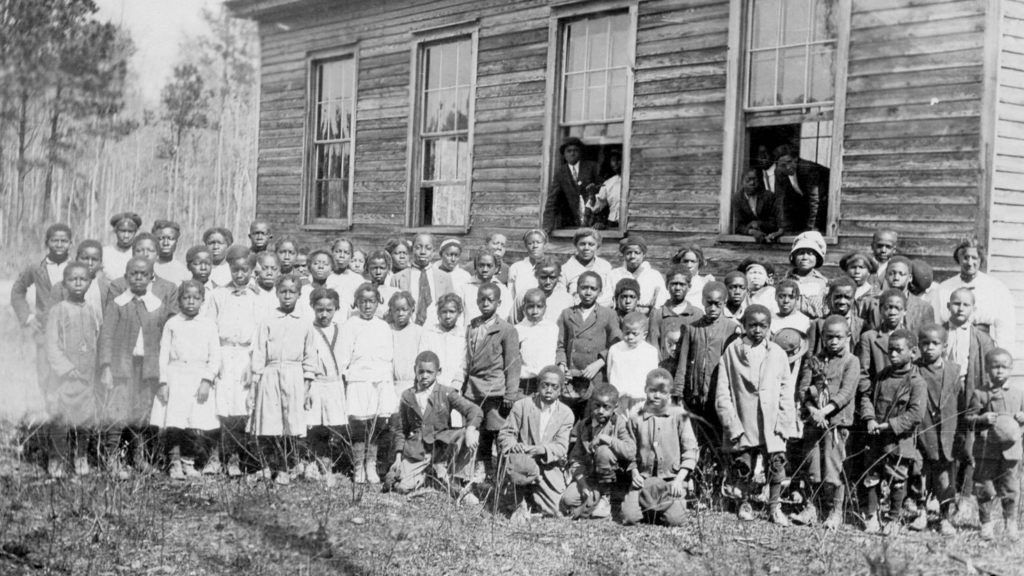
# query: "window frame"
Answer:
x=736 y=97
x=554 y=106
x=314 y=59
x=414 y=169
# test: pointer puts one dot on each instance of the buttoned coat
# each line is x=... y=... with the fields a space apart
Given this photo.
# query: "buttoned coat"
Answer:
x=523 y=426
x=415 y=431
x=755 y=405
x=898 y=399
x=938 y=427
x=562 y=206
x=581 y=341
x=493 y=365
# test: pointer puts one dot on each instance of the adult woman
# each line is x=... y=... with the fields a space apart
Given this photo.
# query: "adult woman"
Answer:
x=994 y=307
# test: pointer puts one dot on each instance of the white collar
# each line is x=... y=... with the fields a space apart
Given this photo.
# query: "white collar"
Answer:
x=149 y=299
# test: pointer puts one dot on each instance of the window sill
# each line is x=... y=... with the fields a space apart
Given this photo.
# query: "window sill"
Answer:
x=328 y=226
x=614 y=234
x=782 y=241
x=449 y=230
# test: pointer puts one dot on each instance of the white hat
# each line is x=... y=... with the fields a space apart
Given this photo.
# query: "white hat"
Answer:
x=813 y=241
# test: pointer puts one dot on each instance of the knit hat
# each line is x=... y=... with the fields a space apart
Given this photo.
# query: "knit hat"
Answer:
x=633 y=240
x=1005 y=432
x=118 y=218
x=921 y=276
x=627 y=284
x=852 y=257
x=813 y=241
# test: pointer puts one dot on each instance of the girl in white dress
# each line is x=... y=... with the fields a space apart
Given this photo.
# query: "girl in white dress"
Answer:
x=366 y=360
x=184 y=406
x=325 y=403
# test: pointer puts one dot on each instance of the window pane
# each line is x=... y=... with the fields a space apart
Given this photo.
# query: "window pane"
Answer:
x=462 y=109
x=795 y=19
x=617 y=95
x=762 y=78
x=792 y=66
x=576 y=40
x=574 y=92
x=445 y=159
x=822 y=73
x=439 y=111
x=816 y=142
x=432 y=67
x=448 y=205
x=620 y=40
x=598 y=44
x=465 y=65
x=765 y=24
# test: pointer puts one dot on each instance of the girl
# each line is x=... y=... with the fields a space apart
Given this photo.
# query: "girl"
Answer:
x=126 y=226
x=451 y=252
x=442 y=338
x=366 y=359
x=400 y=250
x=760 y=285
x=634 y=265
x=806 y=256
x=287 y=253
x=692 y=259
x=485 y=264
x=358 y=264
x=218 y=240
x=344 y=280
x=405 y=335
x=325 y=402
x=378 y=265
x=283 y=367
x=588 y=243
x=861 y=269
x=189 y=361
x=320 y=265
x=520 y=274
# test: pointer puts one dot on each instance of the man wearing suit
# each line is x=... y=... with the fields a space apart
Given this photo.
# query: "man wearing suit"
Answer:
x=755 y=210
x=575 y=181
x=802 y=189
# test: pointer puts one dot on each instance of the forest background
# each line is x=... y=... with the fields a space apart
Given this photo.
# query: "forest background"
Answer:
x=78 y=141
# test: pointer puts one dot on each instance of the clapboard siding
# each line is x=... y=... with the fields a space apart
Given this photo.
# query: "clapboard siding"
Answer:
x=1006 y=250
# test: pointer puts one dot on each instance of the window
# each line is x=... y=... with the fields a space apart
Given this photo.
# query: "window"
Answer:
x=791 y=93
x=445 y=90
x=333 y=92
x=594 y=93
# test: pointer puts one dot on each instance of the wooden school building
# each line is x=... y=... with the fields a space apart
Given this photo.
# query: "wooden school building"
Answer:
x=382 y=117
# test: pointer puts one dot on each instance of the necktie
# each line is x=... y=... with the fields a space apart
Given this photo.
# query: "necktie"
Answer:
x=423 y=298
x=575 y=173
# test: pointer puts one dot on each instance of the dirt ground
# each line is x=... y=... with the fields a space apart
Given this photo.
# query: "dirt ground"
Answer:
x=151 y=525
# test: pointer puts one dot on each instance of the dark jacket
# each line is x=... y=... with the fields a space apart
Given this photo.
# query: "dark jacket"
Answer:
x=938 y=428
x=581 y=342
x=841 y=376
x=918 y=314
x=766 y=212
x=562 y=207
x=700 y=348
x=808 y=208
x=898 y=398
x=815 y=343
x=415 y=432
x=581 y=456
x=117 y=339
x=492 y=367
x=165 y=290
x=37 y=276
x=980 y=345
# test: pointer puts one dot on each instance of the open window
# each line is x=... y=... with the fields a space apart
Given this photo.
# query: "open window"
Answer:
x=790 y=91
x=593 y=100
x=331 y=136
x=443 y=132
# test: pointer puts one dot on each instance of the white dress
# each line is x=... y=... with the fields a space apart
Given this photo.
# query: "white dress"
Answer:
x=328 y=389
x=236 y=313
x=283 y=357
x=189 y=354
x=366 y=359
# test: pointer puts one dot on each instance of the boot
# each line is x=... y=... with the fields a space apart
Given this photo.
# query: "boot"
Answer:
x=234 y=470
x=1012 y=528
x=176 y=471
x=988 y=530
x=212 y=467
x=188 y=467
x=359 y=462
x=311 y=472
x=55 y=468
x=835 y=515
x=82 y=466
x=371 y=463
x=777 y=516
x=808 y=516
x=871 y=524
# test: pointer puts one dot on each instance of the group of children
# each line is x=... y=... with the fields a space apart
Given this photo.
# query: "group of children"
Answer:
x=594 y=391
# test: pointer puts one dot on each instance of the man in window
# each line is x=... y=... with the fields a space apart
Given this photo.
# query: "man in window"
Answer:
x=802 y=187
x=574 y=183
x=755 y=210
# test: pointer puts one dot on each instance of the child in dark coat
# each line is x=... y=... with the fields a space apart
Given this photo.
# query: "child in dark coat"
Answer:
x=892 y=410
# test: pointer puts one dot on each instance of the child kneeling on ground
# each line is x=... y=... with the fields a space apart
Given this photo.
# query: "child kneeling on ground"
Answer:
x=666 y=454
x=603 y=451
x=425 y=441
x=534 y=443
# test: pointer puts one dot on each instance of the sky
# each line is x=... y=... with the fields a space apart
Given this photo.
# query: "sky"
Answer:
x=157 y=27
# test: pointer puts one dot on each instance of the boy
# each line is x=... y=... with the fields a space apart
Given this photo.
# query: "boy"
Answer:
x=425 y=440
x=652 y=292
x=90 y=253
x=585 y=333
x=538 y=339
x=587 y=242
x=548 y=273
x=600 y=457
x=218 y=240
x=627 y=293
x=492 y=371
x=126 y=225
x=167 y=234
x=874 y=343
x=145 y=246
x=235 y=309
x=448 y=340
x=45 y=276
x=668 y=320
x=269 y=267
x=826 y=389
x=787 y=298
x=754 y=400
x=534 y=443
x=892 y=411
x=840 y=302
x=997 y=413
x=259 y=236
x=936 y=437
x=71 y=333
x=897 y=277
x=484 y=265
x=200 y=264
x=700 y=348
x=496 y=244
x=966 y=346
x=418 y=279
x=630 y=360
x=736 y=290
x=666 y=454
x=883 y=247
x=128 y=357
